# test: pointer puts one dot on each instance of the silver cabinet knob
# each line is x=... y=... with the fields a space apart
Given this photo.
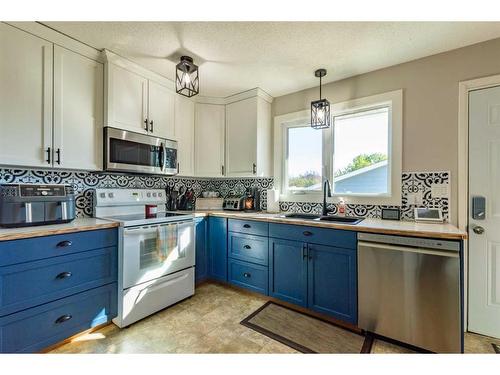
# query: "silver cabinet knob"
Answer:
x=478 y=229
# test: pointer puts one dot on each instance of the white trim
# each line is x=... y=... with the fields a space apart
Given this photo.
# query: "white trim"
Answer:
x=252 y=93
x=393 y=99
x=463 y=166
x=58 y=38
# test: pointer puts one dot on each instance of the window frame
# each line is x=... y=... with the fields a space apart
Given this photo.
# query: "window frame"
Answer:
x=393 y=100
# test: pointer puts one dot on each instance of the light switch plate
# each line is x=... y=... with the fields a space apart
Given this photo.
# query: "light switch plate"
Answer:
x=440 y=191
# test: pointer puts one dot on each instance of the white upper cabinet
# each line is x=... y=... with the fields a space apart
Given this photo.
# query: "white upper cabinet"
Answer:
x=78 y=111
x=126 y=100
x=184 y=133
x=25 y=99
x=161 y=110
x=209 y=140
x=248 y=138
x=138 y=100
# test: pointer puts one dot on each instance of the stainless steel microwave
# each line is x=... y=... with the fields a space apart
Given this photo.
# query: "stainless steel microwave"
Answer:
x=126 y=151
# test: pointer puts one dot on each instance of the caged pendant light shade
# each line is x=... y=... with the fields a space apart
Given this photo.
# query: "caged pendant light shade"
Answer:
x=186 y=77
x=320 y=109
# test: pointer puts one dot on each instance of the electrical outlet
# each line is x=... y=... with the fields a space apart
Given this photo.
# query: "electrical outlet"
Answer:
x=440 y=191
x=415 y=199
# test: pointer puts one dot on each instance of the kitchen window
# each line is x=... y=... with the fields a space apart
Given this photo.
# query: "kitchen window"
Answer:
x=360 y=153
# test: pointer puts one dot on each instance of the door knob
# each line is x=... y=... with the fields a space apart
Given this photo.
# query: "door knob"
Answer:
x=478 y=229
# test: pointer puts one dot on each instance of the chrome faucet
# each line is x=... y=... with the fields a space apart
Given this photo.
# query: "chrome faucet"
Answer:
x=326 y=190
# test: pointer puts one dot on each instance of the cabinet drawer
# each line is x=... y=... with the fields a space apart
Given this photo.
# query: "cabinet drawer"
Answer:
x=34 y=329
x=248 y=248
x=259 y=228
x=247 y=275
x=19 y=251
x=323 y=236
x=29 y=284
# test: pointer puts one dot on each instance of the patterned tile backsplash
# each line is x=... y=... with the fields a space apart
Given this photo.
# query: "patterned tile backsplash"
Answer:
x=412 y=182
x=85 y=182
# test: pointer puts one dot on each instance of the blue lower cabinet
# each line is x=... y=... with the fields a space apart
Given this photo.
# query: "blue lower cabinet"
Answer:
x=332 y=281
x=30 y=284
x=34 y=329
x=248 y=275
x=30 y=249
x=288 y=271
x=201 y=268
x=248 y=248
x=217 y=248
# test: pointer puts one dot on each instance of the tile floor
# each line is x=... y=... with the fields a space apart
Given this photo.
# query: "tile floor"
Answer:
x=208 y=322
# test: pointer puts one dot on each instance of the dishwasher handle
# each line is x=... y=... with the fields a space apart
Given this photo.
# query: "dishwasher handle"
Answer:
x=408 y=249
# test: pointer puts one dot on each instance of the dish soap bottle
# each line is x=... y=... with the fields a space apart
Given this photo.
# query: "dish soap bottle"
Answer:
x=341 y=207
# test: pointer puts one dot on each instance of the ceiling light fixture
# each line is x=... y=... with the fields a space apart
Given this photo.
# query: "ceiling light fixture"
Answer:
x=186 y=77
x=320 y=109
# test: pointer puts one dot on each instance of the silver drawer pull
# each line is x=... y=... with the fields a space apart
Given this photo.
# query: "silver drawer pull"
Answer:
x=64 y=275
x=247 y=247
x=247 y=275
x=63 y=318
x=246 y=226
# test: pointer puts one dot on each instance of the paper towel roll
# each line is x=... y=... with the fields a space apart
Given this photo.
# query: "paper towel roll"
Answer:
x=273 y=200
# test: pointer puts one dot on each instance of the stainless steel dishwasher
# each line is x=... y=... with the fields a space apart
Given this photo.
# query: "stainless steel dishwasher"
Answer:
x=409 y=290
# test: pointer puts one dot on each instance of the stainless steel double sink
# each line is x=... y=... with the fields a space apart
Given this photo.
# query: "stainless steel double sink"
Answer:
x=330 y=218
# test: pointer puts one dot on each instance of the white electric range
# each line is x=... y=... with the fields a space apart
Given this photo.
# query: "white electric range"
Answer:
x=156 y=254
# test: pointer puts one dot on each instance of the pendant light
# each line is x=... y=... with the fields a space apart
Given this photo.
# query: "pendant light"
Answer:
x=186 y=77
x=320 y=109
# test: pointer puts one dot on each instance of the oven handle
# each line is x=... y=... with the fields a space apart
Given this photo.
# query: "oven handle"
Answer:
x=143 y=230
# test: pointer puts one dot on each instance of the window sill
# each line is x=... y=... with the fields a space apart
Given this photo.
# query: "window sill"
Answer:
x=394 y=200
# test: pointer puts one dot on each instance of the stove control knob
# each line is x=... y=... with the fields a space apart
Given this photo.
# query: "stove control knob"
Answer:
x=148 y=195
x=160 y=195
x=102 y=195
x=111 y=195
x=235 y=205
x=154 y=195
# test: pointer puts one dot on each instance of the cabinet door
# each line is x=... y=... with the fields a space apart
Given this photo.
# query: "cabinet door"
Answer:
x=184 y=133
x=288 y=270
x=127 y=100
x=332 y=282
x=241 y=138
x=209 y=140
x=201 y=268
x=78 y=106
x=25 y=98
x=217 y=243
x=160 y=110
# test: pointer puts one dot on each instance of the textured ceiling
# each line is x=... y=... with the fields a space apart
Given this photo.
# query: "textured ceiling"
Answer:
x=279 y=57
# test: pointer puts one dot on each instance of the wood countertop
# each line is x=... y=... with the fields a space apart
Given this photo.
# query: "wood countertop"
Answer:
x=368 y=225
x=77 y=225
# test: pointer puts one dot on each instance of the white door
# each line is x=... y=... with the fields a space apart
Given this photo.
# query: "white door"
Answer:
x=78 y=116
x=241 y=136
x=161 y=110
x=127 y=100
x=209 y=140
x=25 y=99
x=184 y=133
x=484 y=235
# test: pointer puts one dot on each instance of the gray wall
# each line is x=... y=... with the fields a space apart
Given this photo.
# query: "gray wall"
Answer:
x=430 y=106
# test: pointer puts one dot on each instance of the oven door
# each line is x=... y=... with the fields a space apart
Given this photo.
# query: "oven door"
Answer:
x=153 y=251
x=133 y=152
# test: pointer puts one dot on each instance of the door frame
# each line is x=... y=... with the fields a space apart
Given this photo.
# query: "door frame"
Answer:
x=464 y=87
